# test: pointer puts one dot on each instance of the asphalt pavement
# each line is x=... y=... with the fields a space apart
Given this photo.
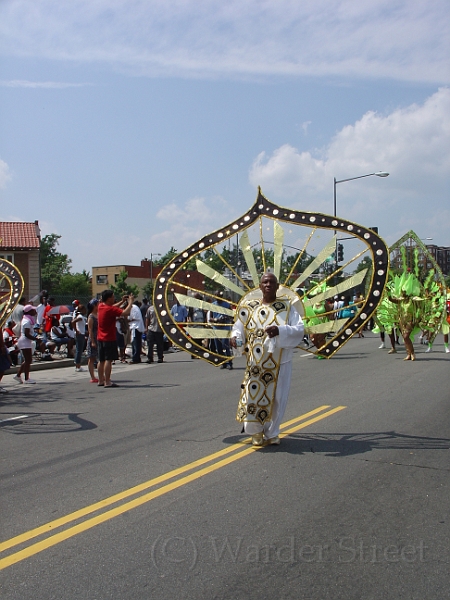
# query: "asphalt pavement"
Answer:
x=150 y=490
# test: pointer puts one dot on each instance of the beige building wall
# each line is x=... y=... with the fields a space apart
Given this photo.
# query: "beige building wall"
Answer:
x=140 y=282
x=27 y=262
x=104 y=277
x=34 y=280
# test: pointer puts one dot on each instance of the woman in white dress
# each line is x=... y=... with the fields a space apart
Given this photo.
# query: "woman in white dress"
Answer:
x=25 y=343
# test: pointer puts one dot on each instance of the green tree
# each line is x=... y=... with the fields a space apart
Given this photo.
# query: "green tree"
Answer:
x=213 y=260
x=366 y=263
x=289 y=261
x=147 y=290
x=74 y=284
x=269 y=258
x=122 y=288
x=210 y=258
x=166 y=258
x=54 y=264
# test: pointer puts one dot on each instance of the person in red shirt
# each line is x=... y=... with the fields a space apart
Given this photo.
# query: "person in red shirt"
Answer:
x=5 y=363
x=108 y=312
x=10 y=341
x=47 y=320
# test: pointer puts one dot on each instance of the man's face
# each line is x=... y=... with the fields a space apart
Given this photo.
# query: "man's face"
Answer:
x=269 y=286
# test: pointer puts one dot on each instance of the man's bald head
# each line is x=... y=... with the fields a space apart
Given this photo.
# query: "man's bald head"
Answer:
x=269 y=286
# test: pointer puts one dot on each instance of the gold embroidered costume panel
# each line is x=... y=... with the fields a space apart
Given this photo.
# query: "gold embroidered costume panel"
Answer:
x=260 y=380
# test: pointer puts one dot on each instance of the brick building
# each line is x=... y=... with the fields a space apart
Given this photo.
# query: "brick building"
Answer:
x=104 y=277
x=441 y=255
x=20 y=244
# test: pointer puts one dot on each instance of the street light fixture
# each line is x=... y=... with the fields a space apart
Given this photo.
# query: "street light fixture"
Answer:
x=151 y=266
x=336 y=181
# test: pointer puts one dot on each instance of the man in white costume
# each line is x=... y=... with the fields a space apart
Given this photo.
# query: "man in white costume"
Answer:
x=269 y=328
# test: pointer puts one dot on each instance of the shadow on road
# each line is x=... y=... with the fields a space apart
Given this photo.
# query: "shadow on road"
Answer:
x=352 y=355
x=128 y=384
x=32 y=423
x=57 y=392
x=349 y=444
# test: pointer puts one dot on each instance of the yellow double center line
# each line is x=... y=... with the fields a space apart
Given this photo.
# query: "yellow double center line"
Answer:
x=235 y=452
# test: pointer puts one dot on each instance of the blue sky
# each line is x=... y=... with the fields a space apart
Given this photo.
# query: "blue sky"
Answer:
x=131 y=126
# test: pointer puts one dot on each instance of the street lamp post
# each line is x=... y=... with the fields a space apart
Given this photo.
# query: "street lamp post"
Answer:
x=151 y=266
x=336 y=181
x=428 y=239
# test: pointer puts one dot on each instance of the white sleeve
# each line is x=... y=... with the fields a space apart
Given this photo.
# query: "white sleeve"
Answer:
x=238 y=327
x=291 y=334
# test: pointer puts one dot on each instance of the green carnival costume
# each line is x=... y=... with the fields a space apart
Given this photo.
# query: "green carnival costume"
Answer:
x=412 y=305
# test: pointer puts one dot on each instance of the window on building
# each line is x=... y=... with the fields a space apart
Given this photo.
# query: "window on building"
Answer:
x=102 y=279
x=9 y=257
x=116 y=277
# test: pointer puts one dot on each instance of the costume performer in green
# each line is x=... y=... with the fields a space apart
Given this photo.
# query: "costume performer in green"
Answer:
x=412 y=305
x=442 y=327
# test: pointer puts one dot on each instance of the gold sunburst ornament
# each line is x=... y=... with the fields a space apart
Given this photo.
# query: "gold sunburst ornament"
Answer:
x=11 y=289
x=302 y=249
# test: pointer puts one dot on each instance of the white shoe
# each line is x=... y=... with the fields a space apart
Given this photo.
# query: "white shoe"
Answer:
x=3 y=391
x=29 y=381
x=447 y=349
x=382 y=345
x=429 y=349
x=79 y=370
x=17 y=379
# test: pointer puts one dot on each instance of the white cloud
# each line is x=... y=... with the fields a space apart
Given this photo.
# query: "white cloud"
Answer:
x=412 y=144
x=188 y=223
x=178 y=225
x=406 y=39
x=121 y=248
x=5 y=174
x=305 y=126
x=22 y=83
x=49 y=227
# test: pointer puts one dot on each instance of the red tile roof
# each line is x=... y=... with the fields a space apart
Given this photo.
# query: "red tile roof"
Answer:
x=19 y=236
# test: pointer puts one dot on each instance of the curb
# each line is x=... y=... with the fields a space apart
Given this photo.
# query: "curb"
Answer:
x=43 y=366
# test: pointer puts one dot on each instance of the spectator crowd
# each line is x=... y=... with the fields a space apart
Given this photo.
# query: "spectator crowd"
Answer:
x=105 y=331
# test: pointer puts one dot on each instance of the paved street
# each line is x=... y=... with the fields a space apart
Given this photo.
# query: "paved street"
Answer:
x=150 y=490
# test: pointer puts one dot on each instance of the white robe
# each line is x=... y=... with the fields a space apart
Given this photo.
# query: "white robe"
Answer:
x=290 y=336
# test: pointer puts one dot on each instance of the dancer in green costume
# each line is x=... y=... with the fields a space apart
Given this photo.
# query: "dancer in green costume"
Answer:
x=411 y=305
